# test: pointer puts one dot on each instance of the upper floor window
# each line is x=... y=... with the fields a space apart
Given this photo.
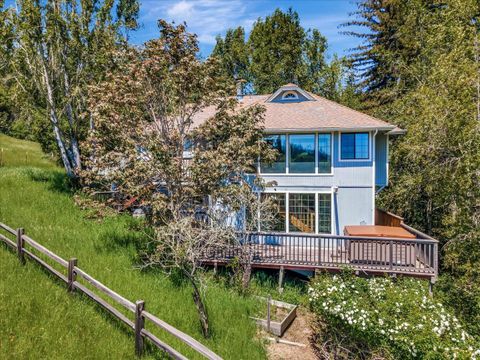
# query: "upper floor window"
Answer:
x=355 y=146
x=302 y=153
x=324 y=153
x=279 y=143
x=290 y=95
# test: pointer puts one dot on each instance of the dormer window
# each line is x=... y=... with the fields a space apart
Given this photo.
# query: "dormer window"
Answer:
x=290 y=95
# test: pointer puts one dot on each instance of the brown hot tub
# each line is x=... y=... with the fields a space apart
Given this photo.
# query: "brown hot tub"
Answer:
x=378 y=252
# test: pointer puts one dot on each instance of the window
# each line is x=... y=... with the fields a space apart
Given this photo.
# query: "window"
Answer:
x=289 y=95
x=277 y=210
x=302 y=153
x=279 y=143
x=324 y=213
x=301 y=209
x=354 y=146
x=324 y=153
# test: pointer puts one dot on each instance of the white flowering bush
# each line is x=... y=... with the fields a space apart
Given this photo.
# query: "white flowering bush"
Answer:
x=397 y=317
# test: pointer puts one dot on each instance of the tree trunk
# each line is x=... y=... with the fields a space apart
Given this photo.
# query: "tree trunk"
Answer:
x=54 y=120
x=202 y=310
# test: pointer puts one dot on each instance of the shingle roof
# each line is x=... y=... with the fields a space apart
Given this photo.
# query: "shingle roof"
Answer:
x=317 y=114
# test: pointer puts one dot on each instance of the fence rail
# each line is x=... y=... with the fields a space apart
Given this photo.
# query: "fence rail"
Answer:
x=138 y=308
x=416 y=257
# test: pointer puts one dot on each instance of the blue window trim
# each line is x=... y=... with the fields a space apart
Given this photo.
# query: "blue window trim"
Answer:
x=355 y=157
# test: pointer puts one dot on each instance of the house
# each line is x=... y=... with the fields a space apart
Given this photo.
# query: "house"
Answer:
x=332 y=161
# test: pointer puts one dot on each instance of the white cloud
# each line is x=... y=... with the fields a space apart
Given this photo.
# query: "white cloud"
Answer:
x=181 y=9
x=206 y=18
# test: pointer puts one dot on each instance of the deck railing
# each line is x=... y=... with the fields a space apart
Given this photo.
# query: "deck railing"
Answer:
x=370 y=254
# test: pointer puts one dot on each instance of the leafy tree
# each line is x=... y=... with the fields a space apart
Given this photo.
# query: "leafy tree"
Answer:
x=59 y=47
x=276 y=46
x=337 y=83
x=422 y=73
x=314 y=58
x=278 y=51
x=233 y=54
x=144 y=118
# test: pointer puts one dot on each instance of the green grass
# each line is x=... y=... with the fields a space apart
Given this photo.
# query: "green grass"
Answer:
x=39 y=319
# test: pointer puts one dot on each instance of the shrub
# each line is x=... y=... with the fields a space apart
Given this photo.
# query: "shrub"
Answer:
x=396 y=319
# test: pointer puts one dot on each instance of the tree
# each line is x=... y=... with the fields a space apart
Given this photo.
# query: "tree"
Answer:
x=337 y=83
x=314 y=57
x=385 y=55
x=423 y=76
x=60 y=47
x=233 y=55
x=144 y=118
x=278 y=51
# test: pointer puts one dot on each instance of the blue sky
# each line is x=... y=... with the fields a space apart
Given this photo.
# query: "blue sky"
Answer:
x=207 y=18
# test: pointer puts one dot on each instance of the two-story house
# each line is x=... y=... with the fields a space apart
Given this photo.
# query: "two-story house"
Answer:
x=332 y=161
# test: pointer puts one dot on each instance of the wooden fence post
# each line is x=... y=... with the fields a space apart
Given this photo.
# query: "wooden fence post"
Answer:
x=139 y=325
x=71 y=276
x=280 y=279
x=268 y=312
x=20 y=245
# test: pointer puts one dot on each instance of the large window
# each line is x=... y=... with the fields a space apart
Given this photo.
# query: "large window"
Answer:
x=324 y=153
x=324 y=213
x=301 y=209
x=278 y=142
x=355 y=146
x=275 y=216
x=302 y=153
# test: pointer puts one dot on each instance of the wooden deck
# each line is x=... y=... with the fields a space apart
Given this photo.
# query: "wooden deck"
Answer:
x=413 y=257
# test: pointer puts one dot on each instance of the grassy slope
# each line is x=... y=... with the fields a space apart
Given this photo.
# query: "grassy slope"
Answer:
x=34 y=199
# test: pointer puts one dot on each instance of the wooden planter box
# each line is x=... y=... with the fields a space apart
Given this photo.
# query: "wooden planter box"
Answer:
x=277 y=327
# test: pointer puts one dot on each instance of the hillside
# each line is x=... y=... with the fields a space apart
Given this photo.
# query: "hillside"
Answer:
x=40 y=319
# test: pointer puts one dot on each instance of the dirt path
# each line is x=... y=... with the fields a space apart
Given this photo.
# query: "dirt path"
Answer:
x=299 y=331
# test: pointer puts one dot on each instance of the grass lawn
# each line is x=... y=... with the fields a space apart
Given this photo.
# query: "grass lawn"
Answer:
x=39 y=319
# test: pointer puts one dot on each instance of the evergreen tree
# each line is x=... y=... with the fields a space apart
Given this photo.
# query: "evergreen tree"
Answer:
x=422 y=72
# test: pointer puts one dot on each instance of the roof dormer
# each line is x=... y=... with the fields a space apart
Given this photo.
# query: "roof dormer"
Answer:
x=290 y=93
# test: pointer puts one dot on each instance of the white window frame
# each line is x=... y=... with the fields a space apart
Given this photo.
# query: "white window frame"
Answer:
x=287 y=208
x=290 y=92
x=354 y=132
x=287 y=155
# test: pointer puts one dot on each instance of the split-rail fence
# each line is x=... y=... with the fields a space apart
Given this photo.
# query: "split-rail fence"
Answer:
x=26 y=247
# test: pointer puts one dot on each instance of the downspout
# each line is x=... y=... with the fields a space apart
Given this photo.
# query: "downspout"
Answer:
x=373 y=175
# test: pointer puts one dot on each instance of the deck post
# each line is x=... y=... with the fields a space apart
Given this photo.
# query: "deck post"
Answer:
x=391 y=254
x=20 y=245
x=71 y=276
x=281 y=275
x=139 y=325
x=215 y=267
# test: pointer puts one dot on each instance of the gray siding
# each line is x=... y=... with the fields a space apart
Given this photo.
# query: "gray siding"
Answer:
x=353 y=206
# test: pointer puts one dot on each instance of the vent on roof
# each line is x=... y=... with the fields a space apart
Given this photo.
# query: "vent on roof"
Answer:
x=290 y=95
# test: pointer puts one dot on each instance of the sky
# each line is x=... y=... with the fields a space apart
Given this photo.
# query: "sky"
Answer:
x=208 y=18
